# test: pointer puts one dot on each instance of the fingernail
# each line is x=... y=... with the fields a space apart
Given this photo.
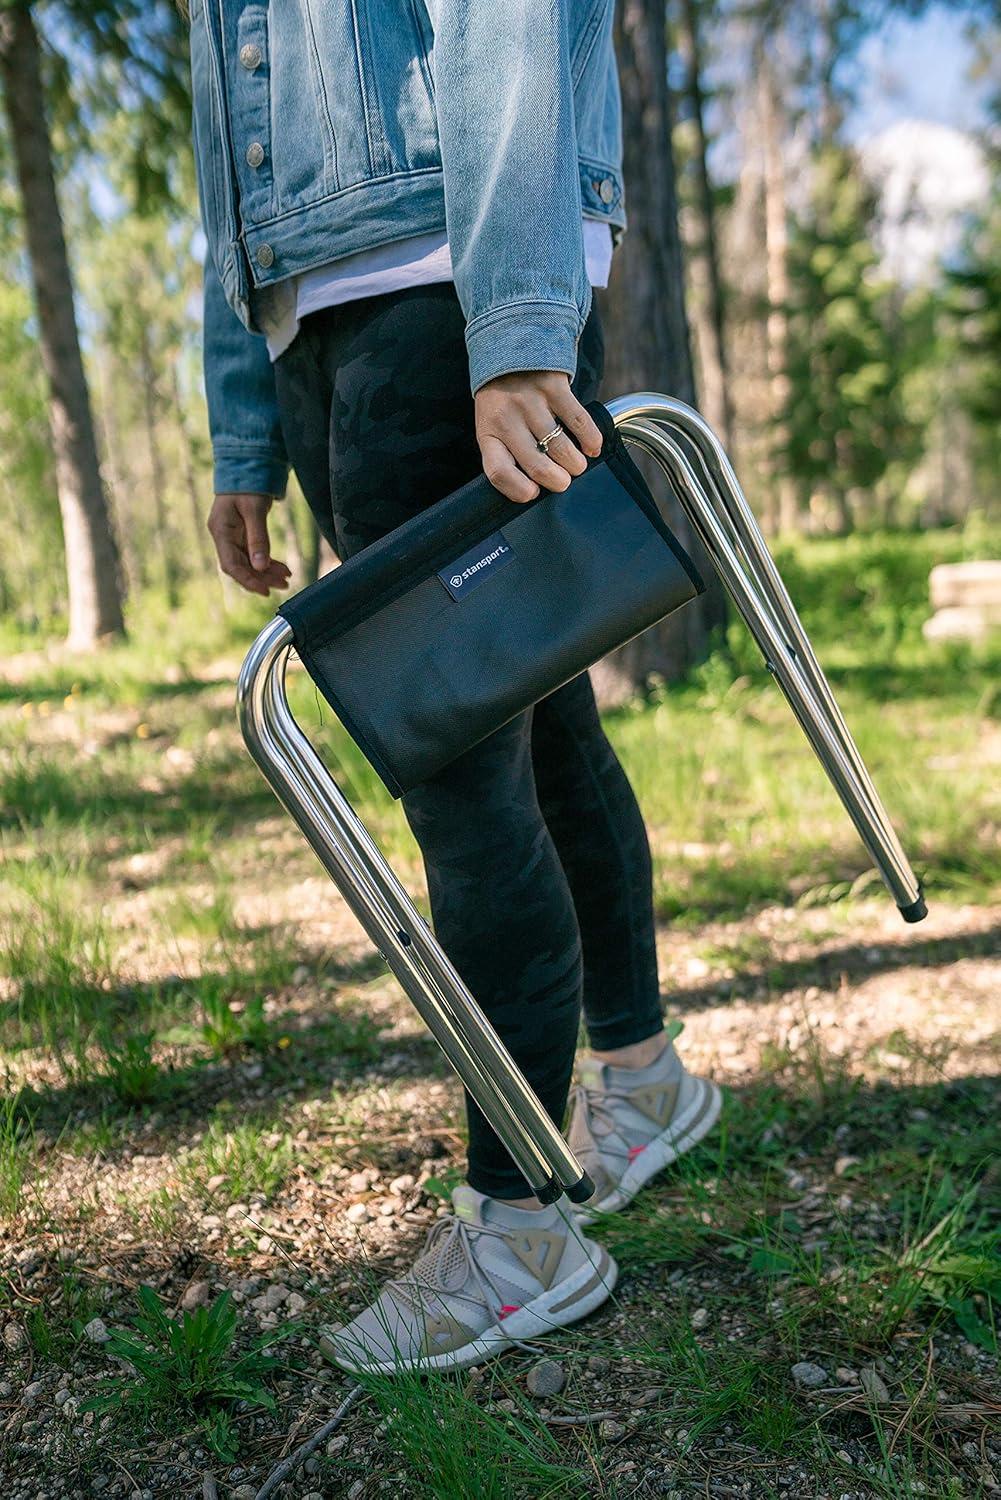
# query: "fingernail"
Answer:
x=260 y=559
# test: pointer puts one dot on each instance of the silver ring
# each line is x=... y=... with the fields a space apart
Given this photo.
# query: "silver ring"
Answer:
x=543 y=442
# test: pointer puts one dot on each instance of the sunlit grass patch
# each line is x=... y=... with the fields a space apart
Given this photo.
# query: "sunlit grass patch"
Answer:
x=252 y=1157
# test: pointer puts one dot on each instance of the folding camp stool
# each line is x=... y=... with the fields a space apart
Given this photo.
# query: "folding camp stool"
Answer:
x=701 y=476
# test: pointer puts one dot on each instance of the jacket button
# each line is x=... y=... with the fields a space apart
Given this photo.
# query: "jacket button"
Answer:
x=255 y=154
x=250 y=56
x=265 y=256
x=606 y=190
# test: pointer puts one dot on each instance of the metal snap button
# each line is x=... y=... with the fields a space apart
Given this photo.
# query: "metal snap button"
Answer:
x=250 y=56
x=606 y=190
x=265 y=256
x=255 y=154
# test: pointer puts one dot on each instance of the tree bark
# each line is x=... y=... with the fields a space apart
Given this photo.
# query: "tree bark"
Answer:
x=713 y=354
x=92 y=564
x=158 y=479
x=785 y=510
x=644 y=314
x=190 y=480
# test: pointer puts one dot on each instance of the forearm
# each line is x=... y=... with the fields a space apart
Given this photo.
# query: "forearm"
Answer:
x=247 y=444
x=504 y=100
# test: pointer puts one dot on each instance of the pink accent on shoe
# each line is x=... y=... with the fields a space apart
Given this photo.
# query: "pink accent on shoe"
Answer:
x=634 y=1151
x=507 y=1308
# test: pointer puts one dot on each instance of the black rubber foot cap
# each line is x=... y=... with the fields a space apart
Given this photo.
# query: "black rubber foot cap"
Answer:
x=916 y=912
x=580 y=1191
x=552 y=1190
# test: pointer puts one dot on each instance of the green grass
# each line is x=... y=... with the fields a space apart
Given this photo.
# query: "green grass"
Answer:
x=187 y=1370
x=142 y=1009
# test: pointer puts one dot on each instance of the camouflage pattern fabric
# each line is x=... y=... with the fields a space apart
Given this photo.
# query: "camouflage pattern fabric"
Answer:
x=536 y=854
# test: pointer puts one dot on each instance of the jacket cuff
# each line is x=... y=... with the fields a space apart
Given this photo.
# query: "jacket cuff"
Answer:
x=525 y=336
x=249 y=471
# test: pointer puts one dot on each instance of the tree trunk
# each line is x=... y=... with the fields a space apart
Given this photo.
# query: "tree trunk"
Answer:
x=644 y=313
x=190 y=480
x=716 y=392
x=785 y=511
x=158 y=482
x=293 y=544
x=92 y=566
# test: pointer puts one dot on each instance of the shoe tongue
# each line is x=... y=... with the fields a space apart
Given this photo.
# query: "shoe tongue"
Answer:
x=468 y=1205
x=592 y=1073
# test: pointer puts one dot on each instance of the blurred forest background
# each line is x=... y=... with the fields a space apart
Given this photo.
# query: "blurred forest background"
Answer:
x=838 y=219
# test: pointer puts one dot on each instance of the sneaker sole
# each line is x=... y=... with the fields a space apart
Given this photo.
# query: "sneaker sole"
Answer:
x=567 y=1302
x=684 y=1132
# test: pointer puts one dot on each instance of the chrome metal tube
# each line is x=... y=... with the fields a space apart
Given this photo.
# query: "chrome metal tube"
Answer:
x=371 y=890
x=727 y=526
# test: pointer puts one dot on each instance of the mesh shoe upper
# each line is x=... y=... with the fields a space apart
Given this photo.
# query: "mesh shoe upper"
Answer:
x=615 y=1116
x=472 y=1274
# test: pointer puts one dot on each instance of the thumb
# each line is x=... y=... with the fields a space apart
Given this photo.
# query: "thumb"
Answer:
x=254 y=510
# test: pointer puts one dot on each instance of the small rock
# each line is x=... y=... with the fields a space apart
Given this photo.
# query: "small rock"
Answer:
x=844 y=1164
x=61 y=1397
x=547 y=1378
x=271 y=1298
x=13 y=1337
x=96 y=1331
x=358 y=1182
x=808 y=1376
x=873 y=1383
x=700 y=1318
x=599 y=1365
x=844 y=1456
x=237 y=1211
x=32 y=1392
x=845 y=1376
x=196 y=1295
x=215 y=1183
x=610 y=1431
x=312 y=1495
x=245 y=1492
x=404 y=1184
x=294 y=1304
x=356 y=1489
x=358 y=1214
x=798 y=1181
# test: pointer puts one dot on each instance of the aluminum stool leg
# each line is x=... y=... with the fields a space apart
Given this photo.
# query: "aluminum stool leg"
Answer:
x=719 y=512
x=368 y=885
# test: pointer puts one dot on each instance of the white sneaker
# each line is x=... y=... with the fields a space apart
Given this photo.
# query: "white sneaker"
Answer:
x=488 y=1275
x=627 y=1124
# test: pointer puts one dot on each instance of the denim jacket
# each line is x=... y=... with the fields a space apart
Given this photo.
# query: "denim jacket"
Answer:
x=325 y=127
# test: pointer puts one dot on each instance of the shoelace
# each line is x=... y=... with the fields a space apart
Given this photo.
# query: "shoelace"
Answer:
x=424 y=1276
x=596 y=1104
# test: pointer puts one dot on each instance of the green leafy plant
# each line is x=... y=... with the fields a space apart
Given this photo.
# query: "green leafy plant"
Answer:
x=228 y=1025
x=15 y=1147
x=187 y=1369
x=132 y=1073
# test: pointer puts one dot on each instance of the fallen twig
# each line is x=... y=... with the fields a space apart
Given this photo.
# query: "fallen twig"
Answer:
x=290 y=1464
x=580 y=1419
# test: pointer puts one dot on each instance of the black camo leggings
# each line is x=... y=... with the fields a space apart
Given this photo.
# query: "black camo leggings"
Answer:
x=537 y=859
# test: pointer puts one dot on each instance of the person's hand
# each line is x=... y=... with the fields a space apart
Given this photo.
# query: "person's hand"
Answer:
x=238 y=524
x=512 y=413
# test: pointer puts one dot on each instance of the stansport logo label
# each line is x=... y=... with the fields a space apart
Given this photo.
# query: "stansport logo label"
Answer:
x=458 y=579
x=470 y=569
